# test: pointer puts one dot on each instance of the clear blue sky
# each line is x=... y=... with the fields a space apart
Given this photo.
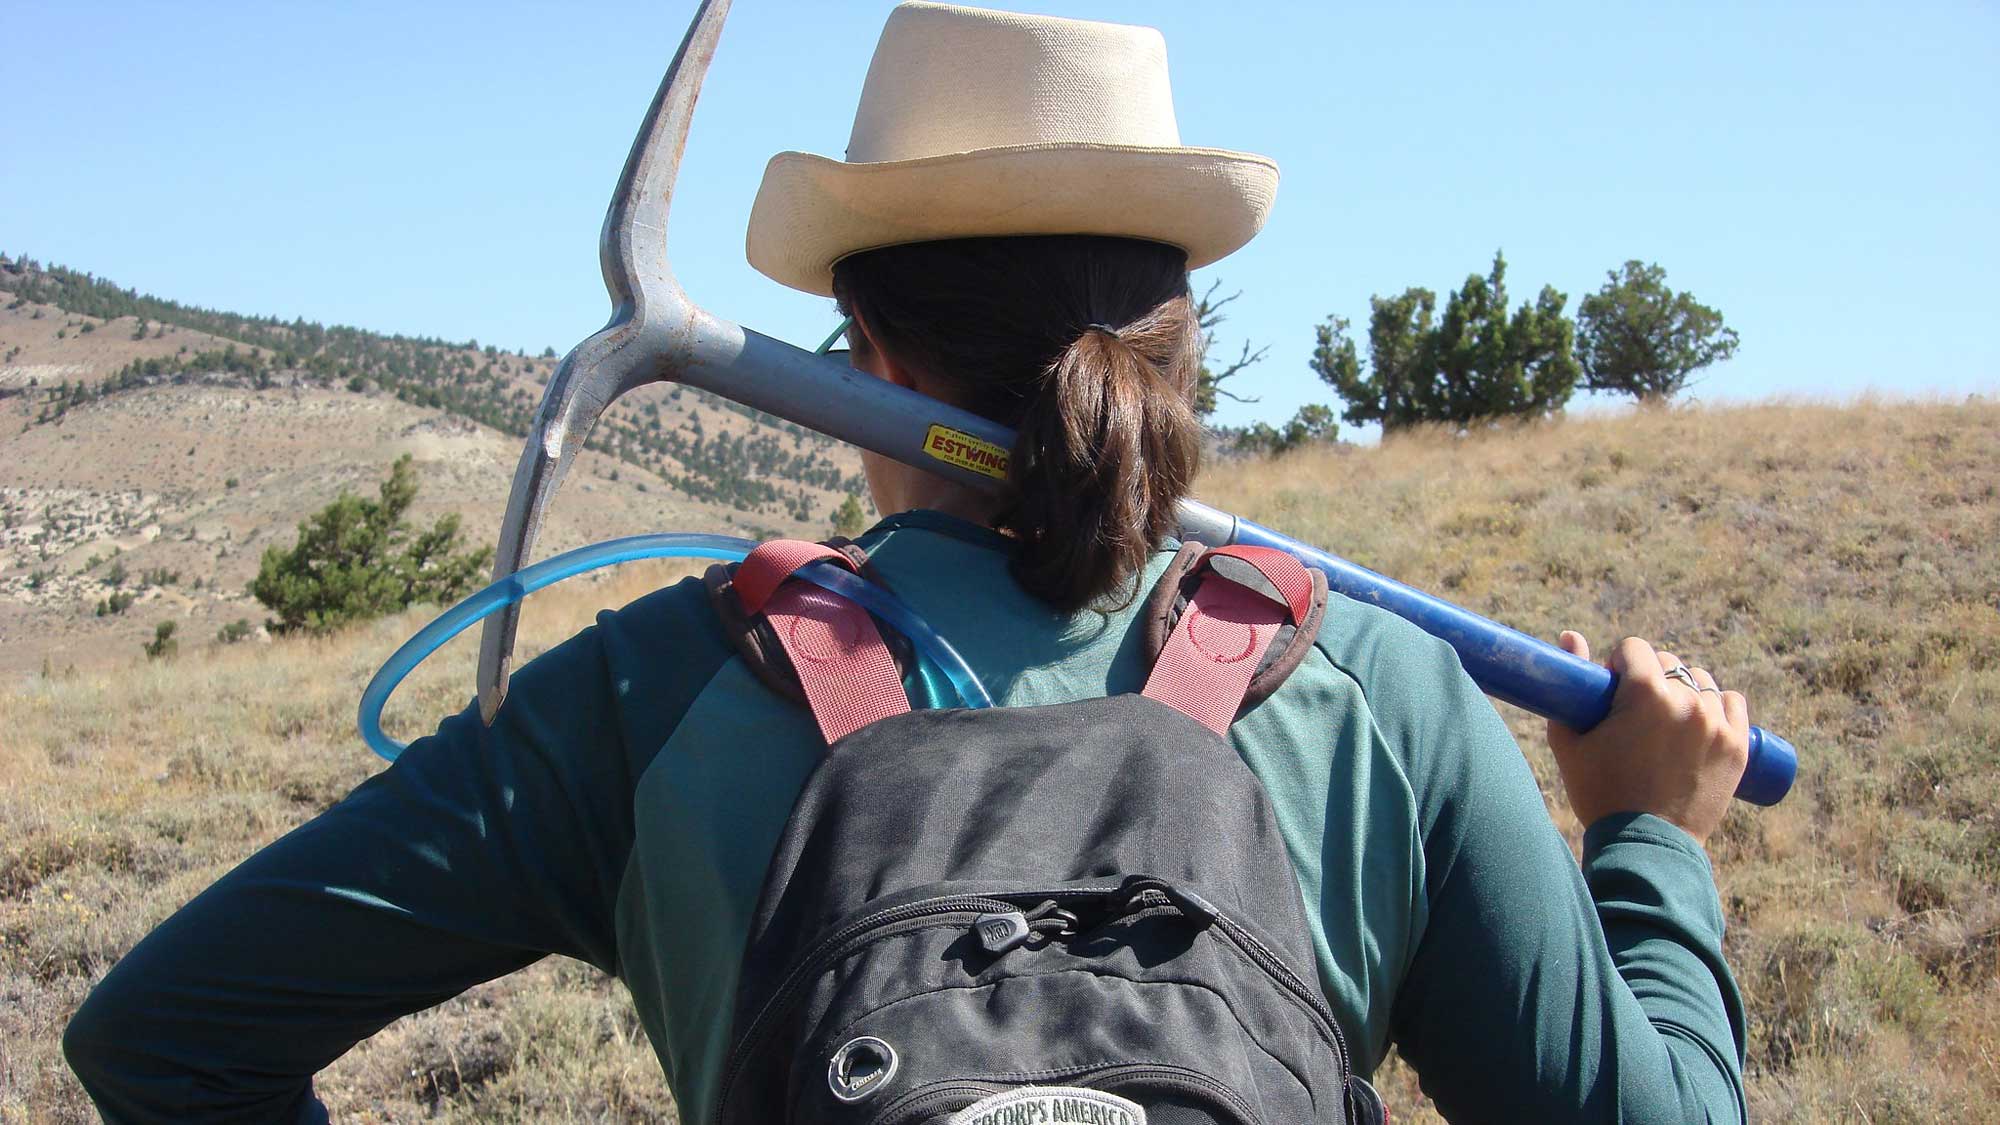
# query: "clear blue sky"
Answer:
x=1826 y=174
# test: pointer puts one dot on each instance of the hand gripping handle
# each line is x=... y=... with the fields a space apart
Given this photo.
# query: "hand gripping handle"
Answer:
x=1585 y=699
x=1506 y=664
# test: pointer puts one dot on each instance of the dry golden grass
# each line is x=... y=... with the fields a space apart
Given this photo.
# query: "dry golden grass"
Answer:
x=126 y=794
x=1834 y=562
x=1838 y=565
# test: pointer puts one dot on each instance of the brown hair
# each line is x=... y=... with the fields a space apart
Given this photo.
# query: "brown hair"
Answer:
x=1087 y=346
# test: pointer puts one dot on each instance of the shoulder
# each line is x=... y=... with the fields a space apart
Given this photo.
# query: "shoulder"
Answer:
x=657 y=654
x=673 y=621
x=1413 y=683
x=1431 y=718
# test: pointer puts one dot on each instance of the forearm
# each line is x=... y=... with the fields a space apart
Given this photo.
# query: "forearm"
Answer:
x=226 y=1010
x=1539 y=991
x=478 y=852
x=1656 y=899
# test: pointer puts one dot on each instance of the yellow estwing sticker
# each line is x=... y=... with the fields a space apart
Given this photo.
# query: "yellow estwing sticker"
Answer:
x=964 y=451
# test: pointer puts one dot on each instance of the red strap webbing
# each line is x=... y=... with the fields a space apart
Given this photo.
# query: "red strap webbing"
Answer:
x=848 y=675
x=767 y=566
x=850 y=679
x=1220 y=639
x=1286 y=574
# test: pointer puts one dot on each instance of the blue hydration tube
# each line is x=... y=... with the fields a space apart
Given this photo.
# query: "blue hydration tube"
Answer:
x=667 y=545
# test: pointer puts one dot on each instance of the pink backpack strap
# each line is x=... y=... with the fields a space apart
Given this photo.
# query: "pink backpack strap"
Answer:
x=848 y=675
x=1205 y=667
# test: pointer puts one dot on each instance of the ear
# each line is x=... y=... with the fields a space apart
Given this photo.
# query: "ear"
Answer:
x=878 y=361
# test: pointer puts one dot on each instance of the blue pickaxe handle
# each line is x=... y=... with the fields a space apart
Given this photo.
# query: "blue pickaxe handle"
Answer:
x=1511 y=665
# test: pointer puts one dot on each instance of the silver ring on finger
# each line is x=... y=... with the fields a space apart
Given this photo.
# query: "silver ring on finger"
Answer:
x=1680 y=672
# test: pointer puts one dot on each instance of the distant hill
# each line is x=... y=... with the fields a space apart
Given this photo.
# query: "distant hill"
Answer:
x=748 y=460
x=152 y=450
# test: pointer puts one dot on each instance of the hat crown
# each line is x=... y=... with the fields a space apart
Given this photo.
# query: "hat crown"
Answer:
x=949 y=79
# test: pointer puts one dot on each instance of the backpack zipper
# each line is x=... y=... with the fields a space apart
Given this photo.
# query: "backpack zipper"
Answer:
x=1263 y=956
x=1260 y=955
x=834 y=947
x=859 y=934
x=863 y=932
x=1163 y=1074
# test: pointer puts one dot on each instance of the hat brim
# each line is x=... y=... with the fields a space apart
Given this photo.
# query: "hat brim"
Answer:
x=811 y=212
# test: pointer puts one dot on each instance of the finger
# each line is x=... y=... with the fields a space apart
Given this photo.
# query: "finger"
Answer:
x=1679 y=671
x=1574 y=643
x=1710 y=696
x=1736 y=709
x=1635 y=659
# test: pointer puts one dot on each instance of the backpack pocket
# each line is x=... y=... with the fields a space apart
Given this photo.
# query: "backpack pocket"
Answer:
x=924 y=1004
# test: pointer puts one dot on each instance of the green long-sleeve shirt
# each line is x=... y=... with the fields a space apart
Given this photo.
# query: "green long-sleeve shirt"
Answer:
x=626 y=801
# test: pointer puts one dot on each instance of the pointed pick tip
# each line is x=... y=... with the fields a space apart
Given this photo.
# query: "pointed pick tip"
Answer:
x=491 y=696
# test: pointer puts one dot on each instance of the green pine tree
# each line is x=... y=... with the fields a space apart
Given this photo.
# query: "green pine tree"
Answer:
x=1635 y=336
x=1472 y=363
x=360 y=558
x=850 y=519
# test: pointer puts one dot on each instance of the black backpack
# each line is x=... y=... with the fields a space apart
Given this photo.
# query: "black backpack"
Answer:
x=1074 y=913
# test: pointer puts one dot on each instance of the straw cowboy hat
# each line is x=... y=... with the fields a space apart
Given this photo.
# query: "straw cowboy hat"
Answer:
x=976 y=123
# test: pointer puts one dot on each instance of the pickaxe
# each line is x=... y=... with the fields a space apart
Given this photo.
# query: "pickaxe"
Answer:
x=656 y=334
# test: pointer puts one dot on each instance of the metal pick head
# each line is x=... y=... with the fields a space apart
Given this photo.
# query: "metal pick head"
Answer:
x=646 y=340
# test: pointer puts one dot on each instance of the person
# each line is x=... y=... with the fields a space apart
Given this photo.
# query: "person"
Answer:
x=1011 y=232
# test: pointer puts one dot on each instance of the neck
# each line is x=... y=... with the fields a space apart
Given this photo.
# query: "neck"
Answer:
x=951 y=499
x=901 y=488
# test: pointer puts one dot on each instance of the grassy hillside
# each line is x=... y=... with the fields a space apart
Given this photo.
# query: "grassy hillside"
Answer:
x=154 y=450
x=129 y=792
x=1838 y=566
x=170 y=495
x=1836 y=563
x=70 y=338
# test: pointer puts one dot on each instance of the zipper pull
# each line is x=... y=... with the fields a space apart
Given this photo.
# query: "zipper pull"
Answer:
x=1191 y=905
x=1001 y=932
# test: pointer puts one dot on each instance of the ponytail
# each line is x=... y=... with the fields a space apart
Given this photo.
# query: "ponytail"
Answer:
x=1104 y=454
x=1089 y=348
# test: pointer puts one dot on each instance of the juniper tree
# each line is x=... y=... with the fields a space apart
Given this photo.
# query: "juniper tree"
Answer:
x=1312 y=423
x=850 y=519
x=360 y=558
x=163 y=644
x=1471 y=363
x=1208 y=380
x=1635 y=336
